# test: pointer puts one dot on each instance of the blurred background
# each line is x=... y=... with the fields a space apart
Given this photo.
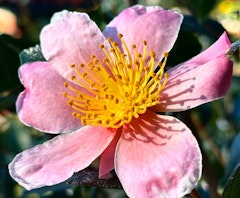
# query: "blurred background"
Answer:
x=216 y=125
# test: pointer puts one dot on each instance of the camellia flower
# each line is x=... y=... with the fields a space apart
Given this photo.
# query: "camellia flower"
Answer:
x=103 y=91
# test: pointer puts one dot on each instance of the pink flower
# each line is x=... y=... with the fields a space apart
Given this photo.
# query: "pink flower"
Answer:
x=105 y=102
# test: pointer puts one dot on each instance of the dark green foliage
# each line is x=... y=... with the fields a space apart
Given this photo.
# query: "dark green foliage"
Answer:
x=31 y=54
x=232 y=189
x=199 y=8
x=9 y=60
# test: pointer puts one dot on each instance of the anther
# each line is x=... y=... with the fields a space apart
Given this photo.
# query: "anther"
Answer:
x=65 y=84
x=136 y=62
x=73 y=77
x=105 y=60
x=165 y=54
x=120 y=35
x=115 y=44
x=74 y=114
x=152 y=54
x=113 y=98
x=70 y=103
x=90 y=64
x=119 y=76
x=80 y=96
x=93 y=84
x=84 y=122
x=97 y=69
x=147 y=69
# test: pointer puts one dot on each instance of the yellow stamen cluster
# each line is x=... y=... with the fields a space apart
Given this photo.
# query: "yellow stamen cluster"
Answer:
x=118 y=88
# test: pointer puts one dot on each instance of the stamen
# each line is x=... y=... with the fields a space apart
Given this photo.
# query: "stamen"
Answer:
x=118 y=88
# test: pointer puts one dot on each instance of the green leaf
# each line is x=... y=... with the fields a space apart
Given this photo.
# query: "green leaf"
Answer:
x=232 y=189
x=31 y=54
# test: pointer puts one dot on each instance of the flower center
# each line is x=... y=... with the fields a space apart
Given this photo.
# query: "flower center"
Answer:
x=117 y=89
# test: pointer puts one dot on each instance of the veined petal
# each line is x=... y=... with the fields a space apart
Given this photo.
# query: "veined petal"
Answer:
x=203 y=78
x=71 y=38
x=157 y=156
x=157 y=26
x=42 y=104
x=56 y=160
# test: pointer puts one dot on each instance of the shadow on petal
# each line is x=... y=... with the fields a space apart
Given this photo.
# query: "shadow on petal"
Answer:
x=190 y=85
x=157 y=156
x=152 y=128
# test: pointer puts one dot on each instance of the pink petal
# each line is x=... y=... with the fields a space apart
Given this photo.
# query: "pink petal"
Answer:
x=71 y=38
x=107 y=157
x=42 y=104
x=57 y=159
x=157 y=26
x=157 y=156
x=219 y=48
x=202 y=79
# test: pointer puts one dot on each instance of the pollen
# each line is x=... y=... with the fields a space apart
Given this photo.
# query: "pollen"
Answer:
x=118 y=88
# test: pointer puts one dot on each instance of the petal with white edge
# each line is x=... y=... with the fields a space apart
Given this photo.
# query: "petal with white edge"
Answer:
x=57 y=159
x=153 y=24
x=71 y=38
x=42 y=104
x=157 y=156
